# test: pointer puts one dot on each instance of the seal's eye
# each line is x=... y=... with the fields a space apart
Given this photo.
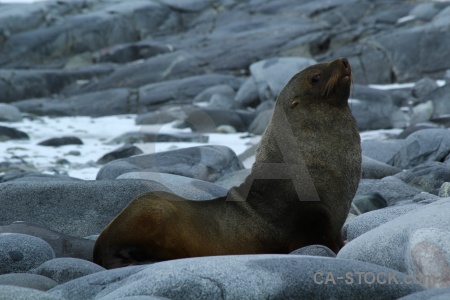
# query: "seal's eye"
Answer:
x=294 y=104
x=315 y=79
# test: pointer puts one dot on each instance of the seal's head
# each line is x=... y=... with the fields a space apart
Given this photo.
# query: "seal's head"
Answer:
x=328 y=83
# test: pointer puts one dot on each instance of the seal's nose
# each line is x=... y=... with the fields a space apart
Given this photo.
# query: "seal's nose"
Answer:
x=345 y=62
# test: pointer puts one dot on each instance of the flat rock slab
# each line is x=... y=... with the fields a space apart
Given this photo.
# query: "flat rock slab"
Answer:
x=238 y=277
x=77 y=208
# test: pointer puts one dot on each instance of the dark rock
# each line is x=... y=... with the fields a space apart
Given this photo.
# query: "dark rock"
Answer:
x=95 y=104
x=238 y=277
x=382 y=150
x=427 y=176
x=153 y=137
x=205 y=163
x=65 y=269
x=78 y=208
x=259 y=124
x=20 y=253
x=63 y=245
x=185 y=187
x=27 y=84
x=32 y=281
x=62 y=141
x=208 y=119
x=422 y=146
x=373 y=169
x=122 y=152
x=391 y=188
x=368 y=202
x=314 y=250
x=107 y=25
x=7 y=133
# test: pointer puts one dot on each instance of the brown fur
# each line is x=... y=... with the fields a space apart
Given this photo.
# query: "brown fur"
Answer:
x=299 y=191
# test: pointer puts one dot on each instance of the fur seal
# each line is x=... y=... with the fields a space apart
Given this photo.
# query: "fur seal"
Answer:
x=298 y=193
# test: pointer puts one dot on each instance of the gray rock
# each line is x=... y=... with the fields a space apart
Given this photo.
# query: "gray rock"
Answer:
x=108 y=102
x=20 y=252
x=423 y=87
x=129 y=52
x=367 y=202
x=208 y=119
x=247 y=95
x=185 y=187
x=63 y=245
x=237 y=277
x=35 y=176
x=374 y=219
x=427 y=176
x=428 y=256
x=187 y=5
x=374 y=169
x=381 y=150
x=314 y=250
x=121 y=152
x=77 y=208
x=259 y=124
x=204 y=162
x=441 y=106
x=376 y=247
x=8 y=133
x=32 y=281
x=423 y=146
x=223 y=90
x=270 y=86
x=165 y=114
x=154 y=137
x=9 y=113
x=424 y=11
x=42 y=83
x=89 y=31
x=61 y=141
x=432 y=294
x=416 y=127
x=390 y=188
x=233 y=178
x=62 y=270
x=371 y=108
x=21 y=293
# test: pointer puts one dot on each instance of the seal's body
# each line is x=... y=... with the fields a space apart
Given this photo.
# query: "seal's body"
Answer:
x=299 y=192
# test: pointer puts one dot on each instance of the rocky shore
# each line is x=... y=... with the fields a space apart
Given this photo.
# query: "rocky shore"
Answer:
x=212 y=69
